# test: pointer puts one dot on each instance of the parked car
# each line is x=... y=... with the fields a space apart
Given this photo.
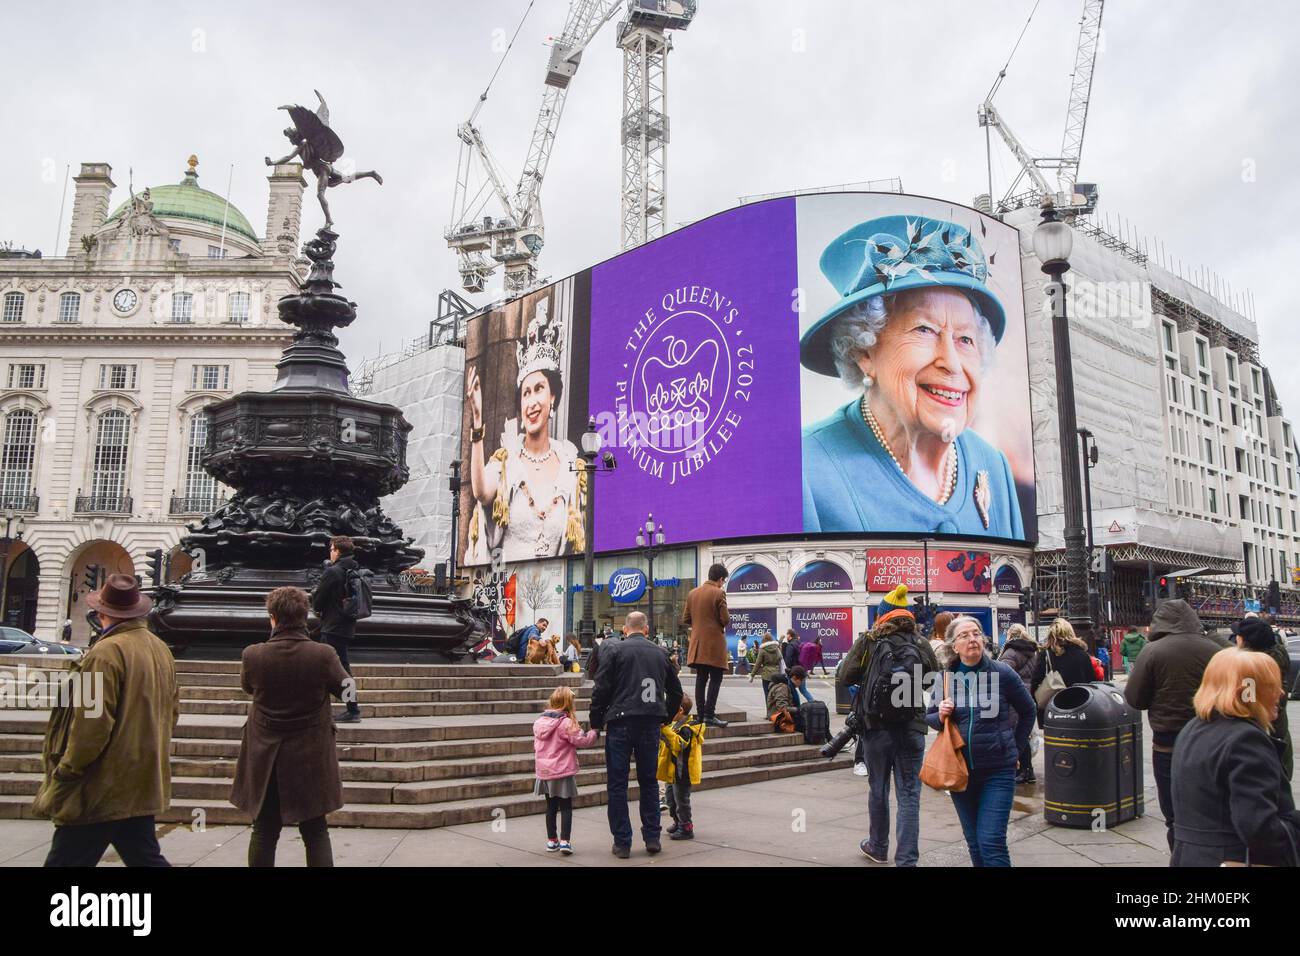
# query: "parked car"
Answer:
x=14 y=640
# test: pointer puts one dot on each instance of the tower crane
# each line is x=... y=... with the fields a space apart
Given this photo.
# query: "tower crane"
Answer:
x=1069 y=195
x=515 y=236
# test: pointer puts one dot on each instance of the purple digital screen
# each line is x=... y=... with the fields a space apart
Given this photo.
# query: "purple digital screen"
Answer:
x=694 y=380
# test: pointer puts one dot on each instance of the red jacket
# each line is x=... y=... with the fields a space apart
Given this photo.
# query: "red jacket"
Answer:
x=555 y=744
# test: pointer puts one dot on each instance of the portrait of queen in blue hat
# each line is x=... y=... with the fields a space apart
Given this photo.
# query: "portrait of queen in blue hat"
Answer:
x=912 y=334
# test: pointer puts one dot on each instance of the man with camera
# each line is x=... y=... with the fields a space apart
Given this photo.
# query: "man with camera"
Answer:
x=893 y=666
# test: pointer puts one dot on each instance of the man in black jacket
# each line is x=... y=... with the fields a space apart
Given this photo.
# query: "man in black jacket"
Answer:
x=1164 y=682
x=336 y=628
x=636 y=693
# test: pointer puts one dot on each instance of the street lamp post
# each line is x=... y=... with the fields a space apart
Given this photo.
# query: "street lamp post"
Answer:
x=14 y=528
x=649 y=541
x=590 y=467
x=453 y=485
x=1090 y=458
x=1053 y=241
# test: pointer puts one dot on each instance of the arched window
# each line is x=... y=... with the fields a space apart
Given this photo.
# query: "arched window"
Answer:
x=182 y=307
x=112 y=446
x=239 y=307
x=13 y=309
x=200 y=487
x=70 y=307
x=18 y=458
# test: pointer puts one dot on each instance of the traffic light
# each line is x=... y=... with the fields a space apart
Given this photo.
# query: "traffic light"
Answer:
x=1273 y=602
x=92 y=577
x=156 y=566
x=1026 y=600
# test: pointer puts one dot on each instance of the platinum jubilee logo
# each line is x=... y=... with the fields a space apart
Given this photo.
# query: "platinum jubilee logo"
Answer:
x=688 y=374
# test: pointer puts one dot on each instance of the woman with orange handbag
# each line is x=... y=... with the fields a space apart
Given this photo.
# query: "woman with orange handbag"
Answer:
x=981 y=694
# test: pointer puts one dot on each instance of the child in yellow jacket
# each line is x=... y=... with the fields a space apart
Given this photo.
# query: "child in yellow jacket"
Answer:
x=681 y=762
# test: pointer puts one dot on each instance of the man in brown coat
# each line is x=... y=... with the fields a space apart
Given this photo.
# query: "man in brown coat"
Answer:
x=706 y=616
x=107 y=754
x=288 y=768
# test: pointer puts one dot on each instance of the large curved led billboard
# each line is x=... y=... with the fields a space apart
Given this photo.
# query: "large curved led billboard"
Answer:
x=837 y=363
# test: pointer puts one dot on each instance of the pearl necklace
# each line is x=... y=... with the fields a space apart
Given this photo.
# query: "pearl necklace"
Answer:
x=951 y=454
x=535 y=459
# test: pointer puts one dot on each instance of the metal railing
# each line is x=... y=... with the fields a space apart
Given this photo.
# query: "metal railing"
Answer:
x=200 y=504
x=112 y=504
x=20 y=502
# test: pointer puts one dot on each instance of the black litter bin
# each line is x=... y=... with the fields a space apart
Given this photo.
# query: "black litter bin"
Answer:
x=1092 y=757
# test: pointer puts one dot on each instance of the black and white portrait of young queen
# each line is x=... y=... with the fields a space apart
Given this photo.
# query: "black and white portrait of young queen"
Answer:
x=522 y=497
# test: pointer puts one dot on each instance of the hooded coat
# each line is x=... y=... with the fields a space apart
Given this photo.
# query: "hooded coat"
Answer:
x=767 y=662
x=1020 y=653
x=778 y=694
x=556 y=740
x=1168 y=672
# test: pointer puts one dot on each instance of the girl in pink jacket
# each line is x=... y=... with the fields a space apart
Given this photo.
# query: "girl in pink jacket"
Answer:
x=556 y=739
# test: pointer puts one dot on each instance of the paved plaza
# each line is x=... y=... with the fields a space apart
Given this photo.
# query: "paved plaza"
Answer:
x=812 y=820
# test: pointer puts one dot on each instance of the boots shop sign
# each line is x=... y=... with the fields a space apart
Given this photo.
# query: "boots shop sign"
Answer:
x=627 y=585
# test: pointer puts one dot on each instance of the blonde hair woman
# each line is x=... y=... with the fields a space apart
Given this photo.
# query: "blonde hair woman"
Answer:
x=1064 y=653
x=1232 y=805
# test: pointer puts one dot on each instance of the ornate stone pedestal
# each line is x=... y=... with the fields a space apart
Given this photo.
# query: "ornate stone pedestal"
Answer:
x=307 y=461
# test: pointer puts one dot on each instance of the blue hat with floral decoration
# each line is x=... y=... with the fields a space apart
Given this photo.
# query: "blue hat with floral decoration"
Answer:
x=893 y=254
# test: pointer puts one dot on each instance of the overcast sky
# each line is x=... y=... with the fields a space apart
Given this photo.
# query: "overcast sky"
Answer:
x=1191 y=134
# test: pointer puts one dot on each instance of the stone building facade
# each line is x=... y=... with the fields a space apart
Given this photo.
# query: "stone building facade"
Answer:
x=108 y=356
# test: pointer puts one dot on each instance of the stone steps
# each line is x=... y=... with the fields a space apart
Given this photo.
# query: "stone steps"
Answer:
x=543 y=685
x=235 y=695
x=437 y=745
x=369 y=766
x=452 y=813
x=549 y=671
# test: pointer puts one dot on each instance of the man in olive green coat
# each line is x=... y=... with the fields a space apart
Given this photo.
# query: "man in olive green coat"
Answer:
x=107 y=755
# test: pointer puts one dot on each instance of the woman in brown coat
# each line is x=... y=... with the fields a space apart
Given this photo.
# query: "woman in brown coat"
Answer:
x=288 y=769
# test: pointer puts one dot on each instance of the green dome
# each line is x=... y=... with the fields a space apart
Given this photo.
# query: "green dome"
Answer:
x=187 y=201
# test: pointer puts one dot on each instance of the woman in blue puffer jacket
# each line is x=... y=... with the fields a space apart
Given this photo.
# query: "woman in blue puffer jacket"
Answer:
x=979 y=696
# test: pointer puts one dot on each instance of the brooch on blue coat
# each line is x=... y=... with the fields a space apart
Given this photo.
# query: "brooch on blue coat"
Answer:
x=983 y=498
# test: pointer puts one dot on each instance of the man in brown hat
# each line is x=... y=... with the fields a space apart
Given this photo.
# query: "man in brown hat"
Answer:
x=107 y=769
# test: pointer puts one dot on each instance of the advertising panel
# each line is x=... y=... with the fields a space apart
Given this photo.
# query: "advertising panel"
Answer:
x=822 y=576
x=751 y=623
x=820 y=363
x=750 y=579
x=834 y=625
x=962 y=571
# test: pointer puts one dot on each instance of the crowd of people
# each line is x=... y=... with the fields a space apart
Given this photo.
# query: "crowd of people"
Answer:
x=1221 y=752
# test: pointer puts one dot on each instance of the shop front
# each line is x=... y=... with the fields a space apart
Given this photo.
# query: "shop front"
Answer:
x=832 y=594
x=675 y=574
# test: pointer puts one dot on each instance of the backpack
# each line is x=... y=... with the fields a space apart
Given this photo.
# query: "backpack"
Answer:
x=815 y=720
x=512 y=644
x=883 y=697
x=356 y=596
